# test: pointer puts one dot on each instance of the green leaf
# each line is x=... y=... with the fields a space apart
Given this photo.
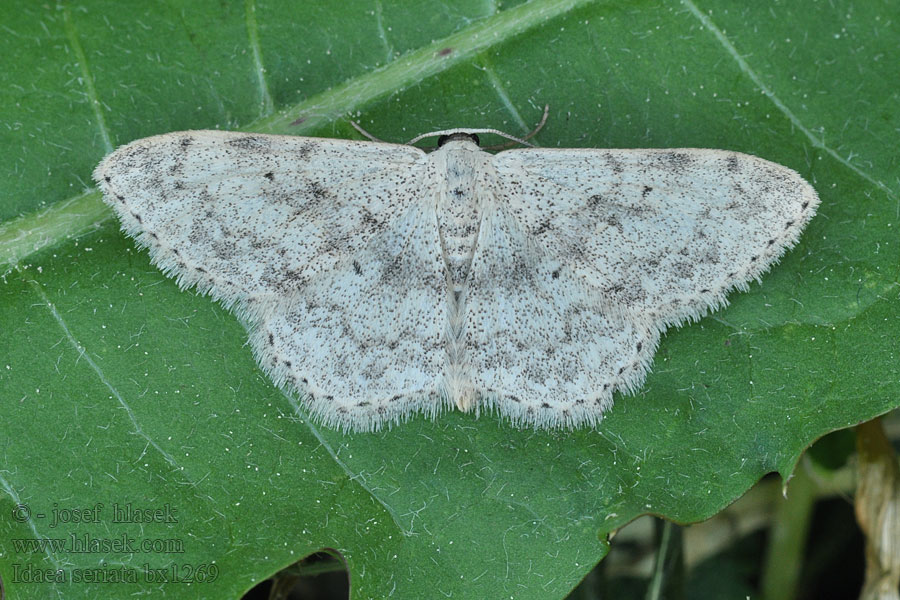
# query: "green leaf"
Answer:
x=118 y=389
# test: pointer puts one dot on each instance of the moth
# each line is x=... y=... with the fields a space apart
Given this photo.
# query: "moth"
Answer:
x=378 y=281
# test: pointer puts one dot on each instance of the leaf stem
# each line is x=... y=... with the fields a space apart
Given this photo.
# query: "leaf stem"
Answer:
x=787 y=537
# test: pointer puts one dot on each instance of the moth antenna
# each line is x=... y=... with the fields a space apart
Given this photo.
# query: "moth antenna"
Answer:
x=534 y=131
x=539 y=125
x=365 y=133
x=516 y=140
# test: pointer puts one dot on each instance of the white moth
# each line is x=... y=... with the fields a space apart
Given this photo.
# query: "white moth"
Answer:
x=378 y=281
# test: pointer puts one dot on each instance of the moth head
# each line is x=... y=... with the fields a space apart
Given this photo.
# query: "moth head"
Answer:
x=459 y=136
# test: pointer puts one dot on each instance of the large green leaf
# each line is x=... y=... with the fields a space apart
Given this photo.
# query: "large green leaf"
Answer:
x=117 y=388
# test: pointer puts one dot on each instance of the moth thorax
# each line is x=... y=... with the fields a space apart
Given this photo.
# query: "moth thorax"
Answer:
x=460 y=209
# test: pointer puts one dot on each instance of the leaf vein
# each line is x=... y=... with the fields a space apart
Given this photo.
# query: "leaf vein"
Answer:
x=355 y=477
x=10 y=490
x=266 y=106
x=87 y=77
x=817 y=142
x=82 y=354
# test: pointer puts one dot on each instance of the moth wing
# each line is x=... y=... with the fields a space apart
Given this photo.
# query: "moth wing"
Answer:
x=365 y=340
x=585 y=256
x=244 y=215
x=324 y=246
x=663 y=234
x=540 y=346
